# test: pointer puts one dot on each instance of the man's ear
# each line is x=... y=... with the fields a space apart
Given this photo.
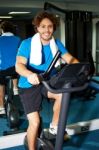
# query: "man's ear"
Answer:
x=37 y=29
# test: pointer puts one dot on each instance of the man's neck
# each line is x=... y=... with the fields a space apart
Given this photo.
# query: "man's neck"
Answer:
x=45 y=42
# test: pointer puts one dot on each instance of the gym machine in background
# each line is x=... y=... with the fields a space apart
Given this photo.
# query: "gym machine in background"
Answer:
x=12 y=112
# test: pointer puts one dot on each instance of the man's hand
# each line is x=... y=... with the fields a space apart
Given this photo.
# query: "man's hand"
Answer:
x=33 y=79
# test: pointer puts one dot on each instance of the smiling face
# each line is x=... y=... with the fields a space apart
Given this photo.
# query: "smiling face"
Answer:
x=46 y=30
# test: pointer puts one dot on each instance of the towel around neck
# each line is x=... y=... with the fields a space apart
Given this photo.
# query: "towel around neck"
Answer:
x=36 y=49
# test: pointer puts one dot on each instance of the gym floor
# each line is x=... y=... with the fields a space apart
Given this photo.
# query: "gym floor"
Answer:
x=85 y=141
x=80 y=111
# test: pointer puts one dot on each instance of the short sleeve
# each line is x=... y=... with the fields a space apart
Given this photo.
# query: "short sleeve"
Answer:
x=24 y=48
x=61 y=47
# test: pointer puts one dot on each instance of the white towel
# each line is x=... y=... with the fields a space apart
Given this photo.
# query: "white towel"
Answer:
x=36 y=49
x=7 y=34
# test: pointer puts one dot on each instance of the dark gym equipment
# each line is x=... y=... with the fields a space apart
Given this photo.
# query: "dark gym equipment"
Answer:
x=94 y=83
x=42 y=144
x=12 y=112
x=67 y=90
x=71 y=78
x=13 y=107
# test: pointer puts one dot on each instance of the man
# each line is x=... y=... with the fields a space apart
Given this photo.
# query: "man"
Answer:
x=9 y=44
x=34 y=56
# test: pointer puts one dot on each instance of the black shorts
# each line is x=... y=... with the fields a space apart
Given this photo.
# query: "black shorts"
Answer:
x=8 y=72
x=31 y=98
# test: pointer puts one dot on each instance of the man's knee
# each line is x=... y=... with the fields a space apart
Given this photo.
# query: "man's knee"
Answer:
x=55 y=96
x=34 y=120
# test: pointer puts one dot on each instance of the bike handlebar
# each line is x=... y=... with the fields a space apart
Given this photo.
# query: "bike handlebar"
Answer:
x=64 y=89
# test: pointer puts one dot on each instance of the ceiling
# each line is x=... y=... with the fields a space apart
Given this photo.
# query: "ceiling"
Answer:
x=33 y=6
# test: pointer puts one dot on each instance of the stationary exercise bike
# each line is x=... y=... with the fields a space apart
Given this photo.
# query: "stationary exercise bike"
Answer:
x=71 y=78
x=11 y=112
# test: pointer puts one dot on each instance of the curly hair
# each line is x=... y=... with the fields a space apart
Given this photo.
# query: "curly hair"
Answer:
x=8 y=26
x=42 y=15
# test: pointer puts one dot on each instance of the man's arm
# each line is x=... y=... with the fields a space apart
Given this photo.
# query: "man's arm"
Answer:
x=21 y=66
x=69 y=59
x=22 y=70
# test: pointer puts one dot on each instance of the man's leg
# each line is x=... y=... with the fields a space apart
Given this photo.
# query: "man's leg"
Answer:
x=32 y=131
x=56 y=112
x=15 y=86
x=56 y=108
x=2 y=95
x=31 y=99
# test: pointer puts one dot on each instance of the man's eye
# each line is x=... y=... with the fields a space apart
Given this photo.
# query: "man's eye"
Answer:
x=42 y=26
